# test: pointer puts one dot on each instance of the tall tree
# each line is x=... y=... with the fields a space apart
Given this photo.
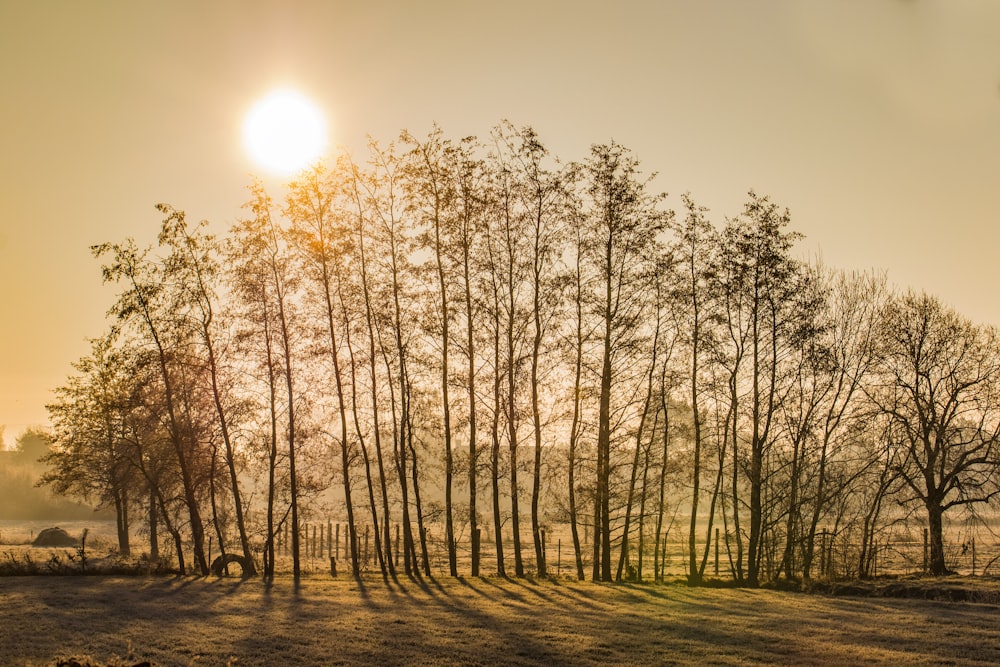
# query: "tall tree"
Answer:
x=147 y=305
x=625 y=221
x=695 y=244
x=193 y=264
x=362 y=241
x=941 y=378
x=323 y=242
x=431 y=166
x=265 y=281
x=90 y=455
x=471 y=204
x=758 y=278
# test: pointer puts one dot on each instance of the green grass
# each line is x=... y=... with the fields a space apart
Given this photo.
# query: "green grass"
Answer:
x=488 y=621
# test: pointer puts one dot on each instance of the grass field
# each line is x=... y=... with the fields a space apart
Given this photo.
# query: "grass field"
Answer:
x=487 y=621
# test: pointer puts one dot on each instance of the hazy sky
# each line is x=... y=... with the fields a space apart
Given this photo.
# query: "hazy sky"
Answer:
x=877 y=122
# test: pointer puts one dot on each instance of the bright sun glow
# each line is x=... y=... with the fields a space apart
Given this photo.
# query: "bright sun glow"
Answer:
x=284 y=132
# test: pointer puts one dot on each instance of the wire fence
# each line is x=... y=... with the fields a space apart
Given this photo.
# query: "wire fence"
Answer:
x=835 y=556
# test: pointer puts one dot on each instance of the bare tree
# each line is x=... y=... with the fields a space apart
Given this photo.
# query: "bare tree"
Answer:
x=757 y=277
x=695 y=245
x=432 y=195
x=264 y=282
x=941 y=377
x=147 y=304
x=623 y=225
x=323 y=242
x=193 y=264
x=90 y=456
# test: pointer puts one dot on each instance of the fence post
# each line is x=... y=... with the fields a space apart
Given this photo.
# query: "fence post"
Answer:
x=559 y=557
x=545 y=555
x=716 y=552
x=822 y=554
x=973 y=556
x=925 y=551
x=874 y=558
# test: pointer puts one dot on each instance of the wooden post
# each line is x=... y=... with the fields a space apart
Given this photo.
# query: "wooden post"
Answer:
x=874 y=558
x=559 y=556
x=716 y=552
x=367 y=533
x=973 y=556
x=926 y=550
x=822 y=554
x=336 y=547
x=545 y=556
x=329 y=538
x=397 y=545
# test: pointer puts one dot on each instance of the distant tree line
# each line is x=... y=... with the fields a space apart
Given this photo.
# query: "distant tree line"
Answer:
x=535 y=342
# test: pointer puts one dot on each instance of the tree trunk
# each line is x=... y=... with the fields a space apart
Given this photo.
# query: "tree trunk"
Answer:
x=935 y=535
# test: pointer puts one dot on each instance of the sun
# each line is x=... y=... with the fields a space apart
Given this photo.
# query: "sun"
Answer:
x=284 y=132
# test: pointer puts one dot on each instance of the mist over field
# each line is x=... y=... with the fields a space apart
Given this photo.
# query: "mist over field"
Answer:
x=20 y=496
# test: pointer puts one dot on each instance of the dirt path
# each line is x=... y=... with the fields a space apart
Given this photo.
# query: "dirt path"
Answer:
x=183 y=621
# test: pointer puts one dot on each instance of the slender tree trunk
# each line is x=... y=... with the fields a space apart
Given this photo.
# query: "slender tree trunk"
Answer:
x=574 y=429
x=230 y=456
x=473 y=455
x=658 y=564
x=360 y=436
x=737 y=534
x=495 y=452
x=424 y=555
x=604 y=464
x=536 y=420
x=624 y=554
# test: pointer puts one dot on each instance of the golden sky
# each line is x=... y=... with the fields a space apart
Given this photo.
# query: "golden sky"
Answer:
x=877 y=122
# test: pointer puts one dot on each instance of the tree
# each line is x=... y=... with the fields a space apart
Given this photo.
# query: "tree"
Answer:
x=756 y=280
x=695 y=245
x=624 y=223
x=940 y=387
x=471 y=202
x=147 y=305
x=90 y=456
x=193 y=264
x=430 y=172
x=323 y=241
x=362 y=240
x=264 y=283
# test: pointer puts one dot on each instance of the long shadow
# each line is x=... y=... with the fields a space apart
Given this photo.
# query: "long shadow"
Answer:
x=548 y=590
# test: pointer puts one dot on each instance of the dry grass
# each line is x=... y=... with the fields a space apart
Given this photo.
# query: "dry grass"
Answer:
x=183 y=621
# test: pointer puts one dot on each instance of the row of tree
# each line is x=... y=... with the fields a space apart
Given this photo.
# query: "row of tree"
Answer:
x=451 y=328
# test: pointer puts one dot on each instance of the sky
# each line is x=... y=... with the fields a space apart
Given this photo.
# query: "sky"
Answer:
x=876 y=122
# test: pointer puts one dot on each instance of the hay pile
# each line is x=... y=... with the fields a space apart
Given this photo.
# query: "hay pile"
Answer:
x=55 y=537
